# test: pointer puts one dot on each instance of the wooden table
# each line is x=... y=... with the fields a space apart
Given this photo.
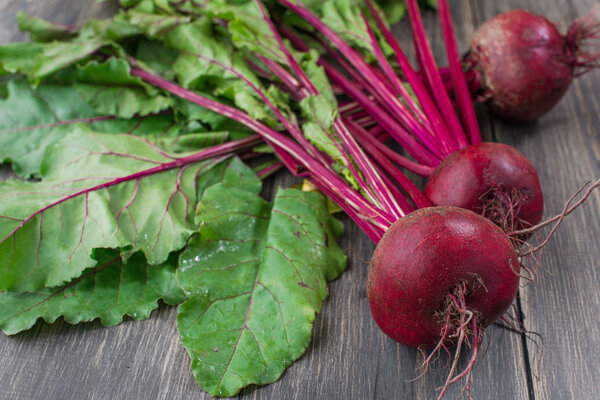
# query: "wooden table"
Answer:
x=349 y=358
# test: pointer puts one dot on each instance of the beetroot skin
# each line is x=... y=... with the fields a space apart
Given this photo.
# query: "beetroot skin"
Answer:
x=491 y=179
x=423 y=257
x=523 y=63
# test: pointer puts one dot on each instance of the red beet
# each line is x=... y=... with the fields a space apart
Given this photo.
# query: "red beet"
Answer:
x=524 y=65
x=424 y=257
x=491 y=179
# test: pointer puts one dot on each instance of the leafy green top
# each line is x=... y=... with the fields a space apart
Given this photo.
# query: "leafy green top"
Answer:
x=125 y=209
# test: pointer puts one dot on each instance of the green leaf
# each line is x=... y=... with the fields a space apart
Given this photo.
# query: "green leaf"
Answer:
x=121 y=101
x=164 y=6
x=112 y=71
x=109 y=291
x=199 y=39
x=59 y=55
x=255 y=276
x=193 y=111
x=115 y=29
x=231 y=173
x=319 y=109
x=44 y=31
x=19 y=57
x=429 y=3
x=33 y=119
x=157 y=56
x=320 y=114
x=393 y=10
x=201 y=45
x=102 y=96
x=152 y=127
x=97 y=191
x=318 y=77
x=39 y=60
x=345 y=18
x=189 y=142
x=110 y=88
x=247 y=27
x=155 y=26
x=132 y=3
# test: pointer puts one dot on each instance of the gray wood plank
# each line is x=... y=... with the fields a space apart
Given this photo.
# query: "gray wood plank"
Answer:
x=66 y=12
x=563 y=304
x=348 y=356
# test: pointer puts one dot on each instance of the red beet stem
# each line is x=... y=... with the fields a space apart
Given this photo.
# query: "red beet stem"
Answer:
x=368 y=140
x=431 y=73
x=448 y=142
x=458 y=78
x=286 y=149
x=362 y=67
x=373 y=147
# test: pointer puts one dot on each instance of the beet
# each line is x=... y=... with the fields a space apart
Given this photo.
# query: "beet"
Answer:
x=490 y=179
x=424 y=257
x=523 y=65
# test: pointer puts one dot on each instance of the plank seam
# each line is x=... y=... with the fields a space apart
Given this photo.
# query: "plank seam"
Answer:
x=526 y=358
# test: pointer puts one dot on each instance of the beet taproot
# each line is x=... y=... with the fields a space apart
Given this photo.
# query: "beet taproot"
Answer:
x=420 y=261
x=521 y=65
x=491 y=179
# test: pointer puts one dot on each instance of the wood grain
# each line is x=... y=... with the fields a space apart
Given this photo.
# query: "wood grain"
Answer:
x=349 y=358
x=563 y=304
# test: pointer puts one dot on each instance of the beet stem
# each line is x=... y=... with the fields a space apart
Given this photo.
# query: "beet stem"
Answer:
x=286 y=78
x=367 y=140
x=388 y=123
x=442 y=130
x=369 y=145
x=380 y=193
x=284 y=146
x=463 y=95
x=292 y=128
x=428 y=138
x=432 y=75
x=362 y=67
x=373 y=177
x=306 y=82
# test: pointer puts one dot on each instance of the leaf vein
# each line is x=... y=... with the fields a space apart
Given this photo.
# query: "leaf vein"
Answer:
x=11 y=218
x=262 y=355
x=39 y=245
x=160 y=225
x=212 y=302
x=231 y=266
x=292 y=263
x=287 y=337
x=85 y=215
x=244 y=326
x=315 y=245
x=131 y=200
x=58 y=123
x=63 y=288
